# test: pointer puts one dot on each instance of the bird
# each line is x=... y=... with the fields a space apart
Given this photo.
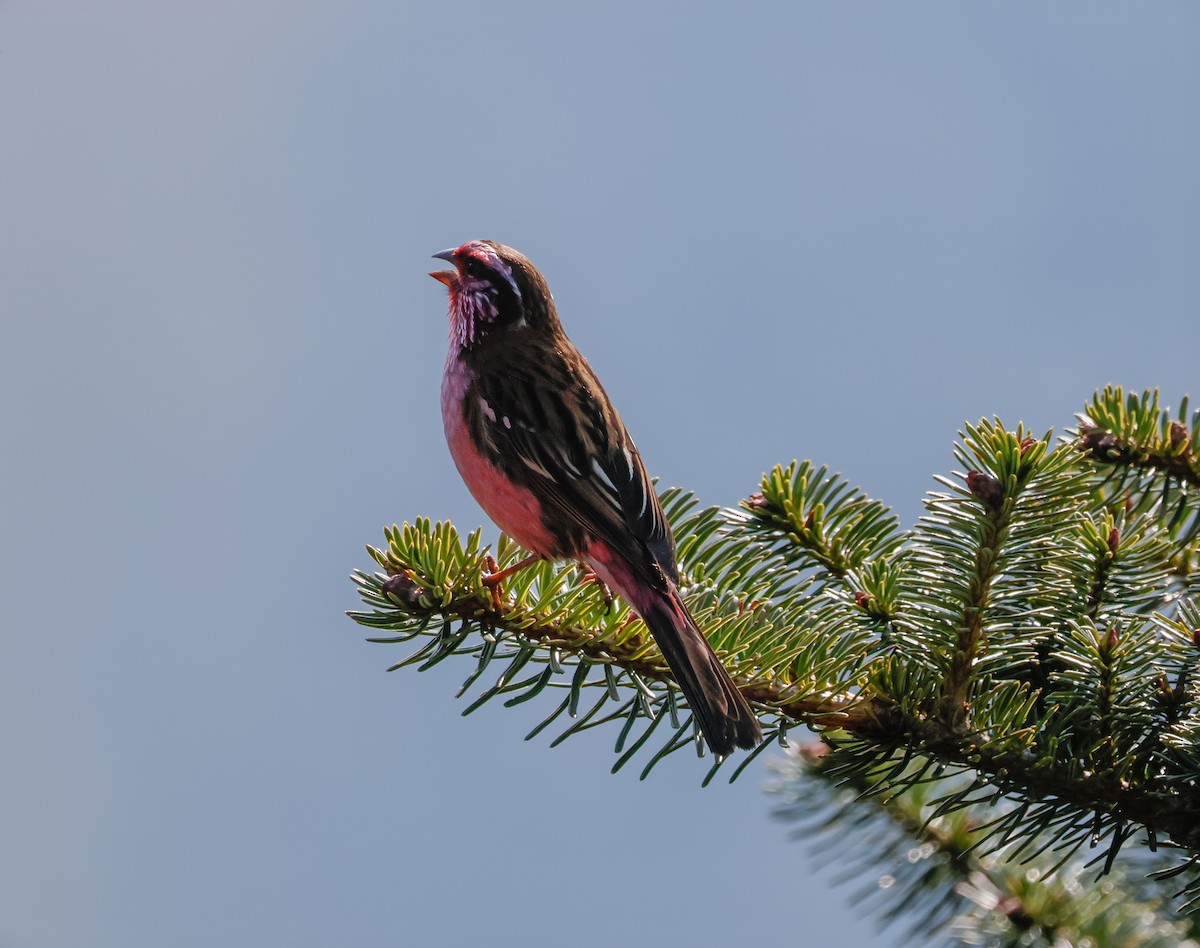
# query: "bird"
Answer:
x=540 y=446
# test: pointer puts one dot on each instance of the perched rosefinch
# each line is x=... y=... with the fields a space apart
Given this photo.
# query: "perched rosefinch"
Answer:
x=546 y=455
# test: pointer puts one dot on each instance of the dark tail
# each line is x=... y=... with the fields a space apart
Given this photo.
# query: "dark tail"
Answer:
x=725 y=717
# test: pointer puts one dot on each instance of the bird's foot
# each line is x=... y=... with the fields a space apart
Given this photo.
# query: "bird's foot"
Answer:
x=495 y=575
x=589 y=575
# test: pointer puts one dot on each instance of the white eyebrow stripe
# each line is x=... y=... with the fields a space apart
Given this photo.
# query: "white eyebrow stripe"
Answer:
x=506 y=271
x=511 y=282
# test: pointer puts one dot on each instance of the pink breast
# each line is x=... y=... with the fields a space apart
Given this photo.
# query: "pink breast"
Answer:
x=514 y=509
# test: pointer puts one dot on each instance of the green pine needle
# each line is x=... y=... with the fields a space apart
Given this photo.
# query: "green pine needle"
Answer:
x=1036 y=633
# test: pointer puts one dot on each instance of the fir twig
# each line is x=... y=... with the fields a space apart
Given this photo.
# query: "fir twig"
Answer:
x=1035 y=631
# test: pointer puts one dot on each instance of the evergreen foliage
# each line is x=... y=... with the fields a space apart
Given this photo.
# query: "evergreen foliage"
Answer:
x=918 y=864
x=1013 y=677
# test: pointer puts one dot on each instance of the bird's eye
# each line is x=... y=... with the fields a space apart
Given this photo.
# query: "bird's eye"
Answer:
x=474 y=267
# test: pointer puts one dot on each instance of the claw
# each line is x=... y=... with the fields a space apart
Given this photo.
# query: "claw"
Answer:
x=589 y=575
x=492 y=579
x=495 y=576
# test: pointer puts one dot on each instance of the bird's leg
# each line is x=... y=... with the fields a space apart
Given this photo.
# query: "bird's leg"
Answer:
x=589 y=575
x=495 y=576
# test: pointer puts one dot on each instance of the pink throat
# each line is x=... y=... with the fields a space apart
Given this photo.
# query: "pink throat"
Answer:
x=469 y=306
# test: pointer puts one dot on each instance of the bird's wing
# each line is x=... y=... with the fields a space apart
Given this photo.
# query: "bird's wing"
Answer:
x=548 y=424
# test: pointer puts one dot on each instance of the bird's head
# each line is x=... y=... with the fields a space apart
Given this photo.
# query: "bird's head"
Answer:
x=492 y=287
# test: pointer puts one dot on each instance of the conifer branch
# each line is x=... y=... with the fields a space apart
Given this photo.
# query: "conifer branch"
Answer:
x=993 y=525
x=1036 y=631
x=912 y=856
x=1135 y=432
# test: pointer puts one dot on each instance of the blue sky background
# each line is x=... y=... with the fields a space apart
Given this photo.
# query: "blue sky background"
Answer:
x=832 y=231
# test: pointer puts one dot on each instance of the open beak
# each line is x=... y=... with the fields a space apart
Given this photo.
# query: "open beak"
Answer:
x=447 y=277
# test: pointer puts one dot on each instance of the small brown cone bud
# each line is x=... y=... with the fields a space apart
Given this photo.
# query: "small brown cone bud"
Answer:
x=401 y=589
x=1100 y=443
x=985 y=487
x=1178 y=435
